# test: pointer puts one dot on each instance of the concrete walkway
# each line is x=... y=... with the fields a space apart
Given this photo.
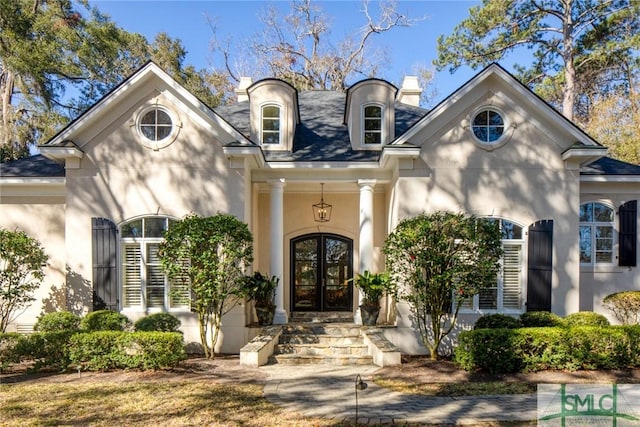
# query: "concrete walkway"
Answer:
x=327 y=391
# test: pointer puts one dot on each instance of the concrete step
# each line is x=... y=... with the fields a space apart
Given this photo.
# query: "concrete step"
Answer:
x=295 y=359
x=336 y=329
x=355 y=339
x=321 y=317
x=326 y=350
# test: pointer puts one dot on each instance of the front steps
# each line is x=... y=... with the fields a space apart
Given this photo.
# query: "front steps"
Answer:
x=321 y=343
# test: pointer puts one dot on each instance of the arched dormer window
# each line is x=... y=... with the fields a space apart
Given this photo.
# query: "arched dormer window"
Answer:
x=270 y=133
x=372 y=124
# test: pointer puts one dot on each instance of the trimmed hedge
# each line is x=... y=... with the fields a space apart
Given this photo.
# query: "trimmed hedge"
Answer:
x=540 y=319
x=47 y=349
x=496 y=321
x=57 y=321
x=8 y=349
x=105 y=320
x=586 y=318
x=158 y=322
x=106 y=350
x=501 y=351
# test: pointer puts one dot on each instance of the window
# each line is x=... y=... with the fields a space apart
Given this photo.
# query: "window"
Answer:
x=596 y=233
x=144 y=284
x=488 y=126
x=507 y=293
x=372 y=124
x=155 y=124
x=271 y=124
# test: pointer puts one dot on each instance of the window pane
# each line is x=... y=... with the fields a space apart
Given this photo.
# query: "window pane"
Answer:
x=271 y=124
x=162 y=132
x=149 y=118
x=604 y=244
x=148 y=132
x=372 y=124
x=131 y=280
x=511 y=231
x=481 y=119
x=271 y=111
x=495 y=119
x=132 y=229
x=154 y=227
x=481 y=133
x=372 y=138
x=585 y=244
x=602 y=213
x=372 y=111
x=494 y=133
x=586 y=212
x=163 y=118
x=270 y=138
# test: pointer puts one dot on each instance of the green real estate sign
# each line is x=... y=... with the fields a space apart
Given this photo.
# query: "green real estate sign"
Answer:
x=563 y=405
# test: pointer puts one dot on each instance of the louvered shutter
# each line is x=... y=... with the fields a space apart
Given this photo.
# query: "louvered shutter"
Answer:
x=512 y=277
x=131 y=275
x=103 y=247
x=155 y=277
x=540 y=266
x=628 y=215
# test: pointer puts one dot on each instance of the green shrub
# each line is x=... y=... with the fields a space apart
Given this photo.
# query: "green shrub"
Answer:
x=625 y=306
x=57 y=321
x=105 y=320
x=47 y=349
x=105 y=350
x=497 y=321
x=586 y=318
x=535 y=349
x=9 y=347
x=158 y=322
x=540 y=319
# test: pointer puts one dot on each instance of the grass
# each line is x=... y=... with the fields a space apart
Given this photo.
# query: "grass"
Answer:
x=456 y=389
x=143 y=404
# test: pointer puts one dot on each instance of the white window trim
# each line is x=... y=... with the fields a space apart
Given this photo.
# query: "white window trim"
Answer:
x=382 y=125
x=490 y=146
x=475 y=301
x=176 y=126
x=143 y=241
x=614 y=224
x=280 y=118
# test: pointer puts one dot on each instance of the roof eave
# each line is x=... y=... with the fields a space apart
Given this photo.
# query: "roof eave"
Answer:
x=584 y=155
x=58 y=153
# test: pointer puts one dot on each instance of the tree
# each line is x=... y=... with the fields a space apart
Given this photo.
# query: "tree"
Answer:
x=614 y=121
x=438 y=260
x=21 y=262
x=560 y=31
x=210 y=255
x=296 y=48
x=55 y=63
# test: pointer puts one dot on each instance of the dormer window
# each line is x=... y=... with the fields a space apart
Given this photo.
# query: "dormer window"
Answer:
x=270 y=124
x=372 y=124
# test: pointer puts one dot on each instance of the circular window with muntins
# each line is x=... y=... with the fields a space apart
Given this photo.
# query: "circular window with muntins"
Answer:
x=488 y=126
x=156 y=127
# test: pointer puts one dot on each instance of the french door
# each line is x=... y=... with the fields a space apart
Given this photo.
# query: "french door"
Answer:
x=321 y=266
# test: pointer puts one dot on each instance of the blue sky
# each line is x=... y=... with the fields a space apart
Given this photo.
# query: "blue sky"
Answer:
x=239 y=20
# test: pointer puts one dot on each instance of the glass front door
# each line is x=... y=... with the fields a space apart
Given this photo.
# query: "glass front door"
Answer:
x=321 y=266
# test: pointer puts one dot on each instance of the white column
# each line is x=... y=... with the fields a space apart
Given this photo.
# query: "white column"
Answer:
x=276 y=265
x=365 y=253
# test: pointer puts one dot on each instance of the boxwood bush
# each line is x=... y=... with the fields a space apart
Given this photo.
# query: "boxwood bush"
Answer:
x=158 y=322
x=105 y=320
x=586 y=318
x=105 y=350
x=46 y=349
x=57 y=321
x=535 y=349
x=540 y=319
x=496 y=321
x=9 y=349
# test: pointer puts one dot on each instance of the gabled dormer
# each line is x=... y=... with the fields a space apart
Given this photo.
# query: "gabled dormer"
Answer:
x=273 y=114
x=369 y=114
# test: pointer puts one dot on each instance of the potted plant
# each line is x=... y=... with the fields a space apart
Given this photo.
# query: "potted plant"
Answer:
x=262 y=289
x=374 y=286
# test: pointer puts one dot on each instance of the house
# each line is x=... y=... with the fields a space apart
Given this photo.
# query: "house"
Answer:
x=321 y=178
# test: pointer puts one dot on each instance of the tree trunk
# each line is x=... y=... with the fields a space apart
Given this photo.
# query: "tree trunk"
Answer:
x=7 y=82
x=569 y=91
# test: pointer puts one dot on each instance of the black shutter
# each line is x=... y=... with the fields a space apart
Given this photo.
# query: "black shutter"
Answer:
x=628 y=214
x=540 y=265
x=105 y=279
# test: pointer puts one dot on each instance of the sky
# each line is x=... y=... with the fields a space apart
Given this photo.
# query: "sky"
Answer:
x=239 y=20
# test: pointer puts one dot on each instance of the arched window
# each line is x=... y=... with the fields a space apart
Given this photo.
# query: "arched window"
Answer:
x=144 y=284
x=270 y=124
x=506 y=295
x=488 y=126
x=372 y=126
x=596 y=233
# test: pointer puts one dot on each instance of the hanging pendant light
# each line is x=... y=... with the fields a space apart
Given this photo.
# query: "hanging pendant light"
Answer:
x=322 y=210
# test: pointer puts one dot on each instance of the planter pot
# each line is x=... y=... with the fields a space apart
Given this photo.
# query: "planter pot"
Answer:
x=369 y=314
x=265 y=315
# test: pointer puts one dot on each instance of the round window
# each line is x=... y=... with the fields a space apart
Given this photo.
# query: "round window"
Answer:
x=155 y=124
x=488 y=126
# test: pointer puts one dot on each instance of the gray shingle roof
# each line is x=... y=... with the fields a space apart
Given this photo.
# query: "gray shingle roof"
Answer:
x=36 y=166
x=321 y=134
x=609 y=166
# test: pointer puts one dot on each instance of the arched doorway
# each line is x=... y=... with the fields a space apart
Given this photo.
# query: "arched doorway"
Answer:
x=321 y=266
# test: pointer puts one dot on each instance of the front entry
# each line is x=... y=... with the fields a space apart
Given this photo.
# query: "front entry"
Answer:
x=321 y=266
